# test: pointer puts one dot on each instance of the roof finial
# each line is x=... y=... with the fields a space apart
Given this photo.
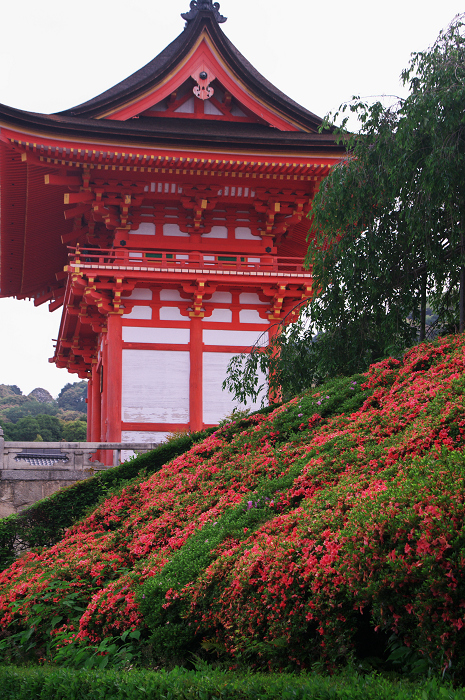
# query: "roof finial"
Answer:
x=197 y=5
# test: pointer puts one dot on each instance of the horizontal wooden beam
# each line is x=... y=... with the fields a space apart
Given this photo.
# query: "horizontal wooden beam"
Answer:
x=69 y=180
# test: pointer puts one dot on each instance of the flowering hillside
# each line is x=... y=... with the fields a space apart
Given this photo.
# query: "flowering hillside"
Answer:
x=285 y=539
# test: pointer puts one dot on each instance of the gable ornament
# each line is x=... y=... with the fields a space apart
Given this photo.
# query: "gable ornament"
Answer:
x=197 y=6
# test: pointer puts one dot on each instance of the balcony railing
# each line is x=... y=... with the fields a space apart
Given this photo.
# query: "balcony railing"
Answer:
x=176 y=260
x=18 y=457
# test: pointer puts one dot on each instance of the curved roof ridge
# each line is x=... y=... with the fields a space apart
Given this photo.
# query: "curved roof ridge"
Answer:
x=136 y=81
x=150 y=74
x=266 y=83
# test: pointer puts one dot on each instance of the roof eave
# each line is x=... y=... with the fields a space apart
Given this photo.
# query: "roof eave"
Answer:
x=111 y=131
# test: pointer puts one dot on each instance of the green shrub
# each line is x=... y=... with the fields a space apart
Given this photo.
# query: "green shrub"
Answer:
x=210 y=684
x=44 y=523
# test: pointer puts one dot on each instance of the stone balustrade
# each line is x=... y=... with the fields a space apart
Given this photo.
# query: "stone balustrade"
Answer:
x=30 y=471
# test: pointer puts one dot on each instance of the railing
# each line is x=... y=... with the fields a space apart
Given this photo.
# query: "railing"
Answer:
x=16 y=457
x=169 y=260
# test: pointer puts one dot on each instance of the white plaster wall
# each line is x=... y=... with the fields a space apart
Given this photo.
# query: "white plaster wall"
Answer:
x=139 y=436
x=170 y=295
x=145 y=229
x=244 y=233
x=155 y=386
x=251 y=316
x=210 y=108
x=187 y=107
x=250 y=298
x=174 y=336
x=172 y=313
x=173 y=230
x=220 y=298
x=216 y=232
x=218 y=403
x=143 y=436
x=139 y=294
x=140 y=312
x=219 y=316
x=234 y=338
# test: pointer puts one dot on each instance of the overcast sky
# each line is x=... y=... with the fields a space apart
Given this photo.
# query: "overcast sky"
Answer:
x=55 y=54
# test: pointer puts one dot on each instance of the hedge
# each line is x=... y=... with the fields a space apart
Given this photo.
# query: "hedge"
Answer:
x=210 y=684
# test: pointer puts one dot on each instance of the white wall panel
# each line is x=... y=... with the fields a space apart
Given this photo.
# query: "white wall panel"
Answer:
x=216 y=402
x=251 y=316
x=172 y=313
x=244 y=233
x=145 y=229
x=170 y=295
x=187 y=107
x=216 y=232
x=173 y=230
x=233 y=338
x=155 y=386
x=174 y=336
x=209 y=108
x=139 y=436
x=140 y=312
x=251 y=298
x=143 y=436
x=220 y=316
x=139 y=294
x=219 y=298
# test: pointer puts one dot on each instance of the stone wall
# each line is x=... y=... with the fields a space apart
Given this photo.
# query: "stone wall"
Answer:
x=30 y=471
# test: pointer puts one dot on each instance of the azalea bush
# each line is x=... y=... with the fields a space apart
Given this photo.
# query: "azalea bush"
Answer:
x=44 y=523
x=317 y=533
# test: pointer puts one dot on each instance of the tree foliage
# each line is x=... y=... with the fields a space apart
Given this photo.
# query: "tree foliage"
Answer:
x=75 y=431
x=29 y=428
x=73 y=397
x=39 y=416
x=388 y=230
x=388 y=223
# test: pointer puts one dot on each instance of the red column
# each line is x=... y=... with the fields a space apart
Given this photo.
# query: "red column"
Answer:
x=89 y=408
x=196 y=374
x=104 y=395
x=95 y=402
x=114 y=377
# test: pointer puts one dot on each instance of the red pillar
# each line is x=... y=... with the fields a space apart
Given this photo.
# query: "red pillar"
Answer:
x=89 y=408
x=196 y=374
x=114 y=377
x=104 y=397
x=95 y=402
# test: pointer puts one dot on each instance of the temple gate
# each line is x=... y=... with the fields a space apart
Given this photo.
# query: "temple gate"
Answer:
x=167 y=216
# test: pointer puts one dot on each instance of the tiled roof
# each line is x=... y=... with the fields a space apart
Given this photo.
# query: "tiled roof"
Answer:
x=41 y=458
x=157 y=69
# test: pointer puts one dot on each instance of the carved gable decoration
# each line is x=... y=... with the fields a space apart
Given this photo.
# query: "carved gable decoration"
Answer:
x=202 y=86
x=194 y=100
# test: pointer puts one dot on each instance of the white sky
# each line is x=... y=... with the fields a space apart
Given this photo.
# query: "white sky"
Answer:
x=55 y=54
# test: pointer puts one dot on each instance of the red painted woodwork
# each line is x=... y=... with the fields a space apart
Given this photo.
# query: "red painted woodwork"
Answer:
x=171 y=218
x=114 y=377
x=196 y=375
x=95 y=423
x=90 y=409
x=204 y=55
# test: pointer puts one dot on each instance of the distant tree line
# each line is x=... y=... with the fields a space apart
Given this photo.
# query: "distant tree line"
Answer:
x=39 y=417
